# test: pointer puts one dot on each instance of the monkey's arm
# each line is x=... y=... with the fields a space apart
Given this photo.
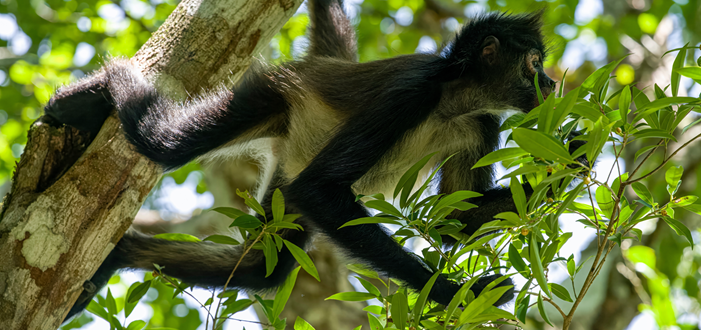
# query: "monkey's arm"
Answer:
x=170 y=133
x=323 y=190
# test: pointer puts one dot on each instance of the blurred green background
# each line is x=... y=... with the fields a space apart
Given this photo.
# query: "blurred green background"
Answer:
x=46 y=43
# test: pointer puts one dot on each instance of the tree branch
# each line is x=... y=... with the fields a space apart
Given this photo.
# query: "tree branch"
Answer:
x=72 y=200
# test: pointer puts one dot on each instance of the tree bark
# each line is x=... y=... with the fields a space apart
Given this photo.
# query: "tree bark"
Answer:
x=71 y=200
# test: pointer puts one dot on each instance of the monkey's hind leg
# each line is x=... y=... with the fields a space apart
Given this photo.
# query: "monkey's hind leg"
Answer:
x=203 y=264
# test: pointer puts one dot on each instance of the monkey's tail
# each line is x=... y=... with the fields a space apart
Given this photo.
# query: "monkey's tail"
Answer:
x=203 y=264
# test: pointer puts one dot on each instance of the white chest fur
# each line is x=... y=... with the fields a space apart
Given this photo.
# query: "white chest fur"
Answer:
x=312 y=125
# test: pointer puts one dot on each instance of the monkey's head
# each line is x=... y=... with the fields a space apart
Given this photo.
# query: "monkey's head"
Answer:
x=500 y=55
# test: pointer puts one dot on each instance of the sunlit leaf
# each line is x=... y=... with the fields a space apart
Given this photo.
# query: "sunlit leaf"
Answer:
x=500 y=155
x=284 y=292
x=541 y=145
x=177 y=237
x=560 y=292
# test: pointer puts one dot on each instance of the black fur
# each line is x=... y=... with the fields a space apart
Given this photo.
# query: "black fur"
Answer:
x=380 y=104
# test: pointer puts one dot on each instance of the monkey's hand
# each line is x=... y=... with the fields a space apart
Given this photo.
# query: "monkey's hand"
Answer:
x=84 y=104
x=95 y=284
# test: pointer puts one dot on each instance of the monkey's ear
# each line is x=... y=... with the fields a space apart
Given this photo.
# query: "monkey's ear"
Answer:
x=490 y=48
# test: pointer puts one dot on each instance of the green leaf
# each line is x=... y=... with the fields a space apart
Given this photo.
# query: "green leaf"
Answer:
x=283 y=293
x=511 y=217
x=222 y=239
x=251 y=202
x=291 y=217
x=370 y=220
x=683 y=201
x=541 y=310
x=571 y=266
x=458 y=299
x=482 y=303
x=136 y=325
x=423 y=296
x=560 y=292
x=512 y=121
x=95 y=308
x=562 y=110
x=129 y=306
x=642 y=192
x=642 y=150
x=680 y=229
x=516 y=260
x=407 y=181
x=522 y=308
x=569 y=199
x=375 y=309
x=696 y=208
x=177 y=237
x=303 y=259
x=546 y=115
x=230 y=212
x=691 y=125
x=519 y=197
x=451 y=199
x=375 y=324
x=541 y=145
x=270 y=253
x=246 y=221
x=624 y=103
x=138 y=292
x=598 y=79
x=691 y=72
x=369 y=286
x=301 y=324
x=654 y=133
x=399 y=310
x=278 y=206
x=384 y=207
x=110 y=303
x=362 y=270
x=673 y=177
x=587 y=111
x=678 y=64
x=500 y=155
x=431 y=325
x=662 y=103
x=597 y=139
x=537 y=89
x=605 y=200
x=352 y=296
x=537 y=265
x=237 y=306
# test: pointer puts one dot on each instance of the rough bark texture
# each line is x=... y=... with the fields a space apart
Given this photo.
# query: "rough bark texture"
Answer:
x=308 y=296
x=72 y=200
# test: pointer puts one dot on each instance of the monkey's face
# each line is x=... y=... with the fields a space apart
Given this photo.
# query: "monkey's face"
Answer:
x=515 y=82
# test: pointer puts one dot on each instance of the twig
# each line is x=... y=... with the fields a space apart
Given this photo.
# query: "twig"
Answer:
x=664 y=162
x=245 y=252
x=645 y=159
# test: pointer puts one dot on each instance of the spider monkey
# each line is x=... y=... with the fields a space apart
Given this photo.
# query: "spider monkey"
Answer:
x=339 y=128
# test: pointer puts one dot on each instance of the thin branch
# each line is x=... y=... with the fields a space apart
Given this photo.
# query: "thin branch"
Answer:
x=562 y=313
x=664 y=162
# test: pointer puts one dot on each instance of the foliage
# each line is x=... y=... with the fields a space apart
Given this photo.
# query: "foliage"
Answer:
x=56 y=30
x=526 y=242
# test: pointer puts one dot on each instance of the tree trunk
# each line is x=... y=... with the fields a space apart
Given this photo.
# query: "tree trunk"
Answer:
x=71 y=200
